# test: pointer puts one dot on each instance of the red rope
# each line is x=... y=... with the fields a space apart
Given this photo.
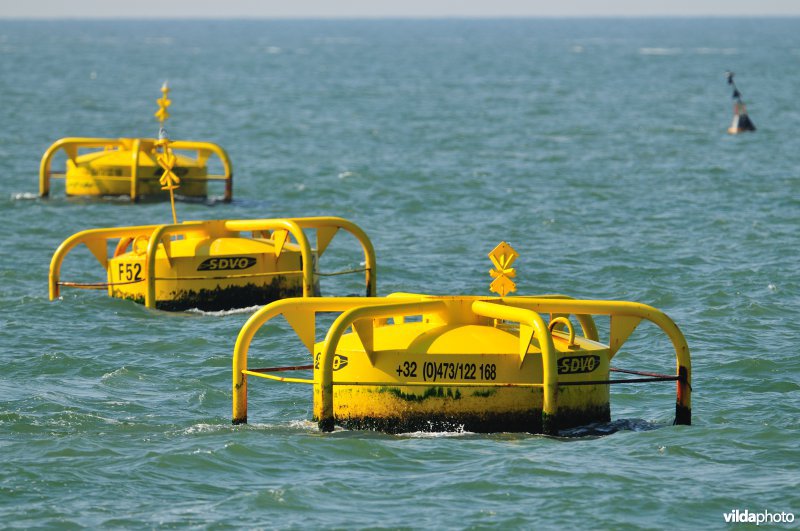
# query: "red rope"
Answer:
x=640 y=373
x=281 y=369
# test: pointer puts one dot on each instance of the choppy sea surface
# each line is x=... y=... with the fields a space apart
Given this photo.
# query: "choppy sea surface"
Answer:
x=596 y=147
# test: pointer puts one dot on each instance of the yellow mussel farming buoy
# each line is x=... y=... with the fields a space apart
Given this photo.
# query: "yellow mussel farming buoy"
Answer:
x=128 y=166
x=414 y=362
x=212 y=265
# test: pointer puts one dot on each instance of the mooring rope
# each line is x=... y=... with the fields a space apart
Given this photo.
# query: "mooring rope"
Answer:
x=344 y=272
x=101 y=285
x=97 y=285
x=282 y=369
x=640 y=373
x=651 y=377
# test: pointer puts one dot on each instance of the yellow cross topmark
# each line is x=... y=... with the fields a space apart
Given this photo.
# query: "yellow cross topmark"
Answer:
x=502 y=257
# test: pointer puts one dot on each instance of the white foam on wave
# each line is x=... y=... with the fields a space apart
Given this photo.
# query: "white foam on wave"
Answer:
x=205 y=428
x=114 y=373
x=24 y=196
x=457 y=430
x=301 y=425
x=219 y=313
x=305 y=425
x=437 y=434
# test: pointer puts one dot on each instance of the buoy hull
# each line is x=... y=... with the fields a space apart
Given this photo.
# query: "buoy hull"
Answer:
x=211 y=274
x=108 y=173
x=741 y=121
x=415 y=381
x=479 y=410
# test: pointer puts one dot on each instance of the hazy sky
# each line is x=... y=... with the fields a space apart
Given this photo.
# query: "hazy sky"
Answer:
x=389 y=8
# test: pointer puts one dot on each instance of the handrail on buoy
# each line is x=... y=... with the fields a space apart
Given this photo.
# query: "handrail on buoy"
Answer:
x=71 y=146
x=362 y=314
x=160 y=236
x=624 y=318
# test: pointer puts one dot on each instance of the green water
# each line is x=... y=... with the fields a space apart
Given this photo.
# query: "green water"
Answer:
x=597 y=148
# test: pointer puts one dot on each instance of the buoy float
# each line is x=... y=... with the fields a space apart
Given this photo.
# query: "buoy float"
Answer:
x=741 y=121
x=128 y=166
x=210 y=265
x=414 y=362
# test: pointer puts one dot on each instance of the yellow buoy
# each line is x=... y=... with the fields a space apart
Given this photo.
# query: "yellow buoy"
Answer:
x=410 y=362
x=129 y=166
x=209 y=265
x=212 y=265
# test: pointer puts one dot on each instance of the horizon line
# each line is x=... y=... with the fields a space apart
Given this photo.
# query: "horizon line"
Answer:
x=246 y=18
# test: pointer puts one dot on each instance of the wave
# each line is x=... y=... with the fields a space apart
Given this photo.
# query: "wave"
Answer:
x=219 y=313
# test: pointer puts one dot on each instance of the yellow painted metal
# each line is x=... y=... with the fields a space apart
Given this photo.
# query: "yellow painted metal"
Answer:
x=300 y=309
x=622 y=326
x=566 y=322
x=166 y=159
x=325 y=224
x=163 y=103
x=167 y=261
x=629 y=312
x=128 y=166
x=502 y=257
x=358 y=374
x=278 y=378
x=334 y=335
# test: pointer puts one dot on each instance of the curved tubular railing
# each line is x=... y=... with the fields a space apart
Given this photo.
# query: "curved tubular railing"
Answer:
x=70 y=146
x=549 y=368
x=588 y=326
x=300 y=314
x=160 y=235
x=340 y=326
x=526 y=311
x=326 y=228
x=95 y=240
x=628 y=315
x=204 y=149
x=305 y=310
x=157 y=235
x=136 y=145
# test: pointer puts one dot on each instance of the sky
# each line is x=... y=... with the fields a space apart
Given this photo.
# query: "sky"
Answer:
x=43 y=9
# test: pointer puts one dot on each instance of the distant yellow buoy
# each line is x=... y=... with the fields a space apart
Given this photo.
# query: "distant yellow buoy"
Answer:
x=130 y=166
x=212 y=265
x=163 y=103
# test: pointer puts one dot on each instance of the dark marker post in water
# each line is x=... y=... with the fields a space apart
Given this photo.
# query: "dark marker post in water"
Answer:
x=741 y=121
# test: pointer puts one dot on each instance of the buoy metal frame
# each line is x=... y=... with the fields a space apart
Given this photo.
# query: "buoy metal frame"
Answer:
x=136 y=146
x=161 y=236
x=526 y=313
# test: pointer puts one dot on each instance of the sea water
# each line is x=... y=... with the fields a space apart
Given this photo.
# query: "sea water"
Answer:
x=597 y=148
